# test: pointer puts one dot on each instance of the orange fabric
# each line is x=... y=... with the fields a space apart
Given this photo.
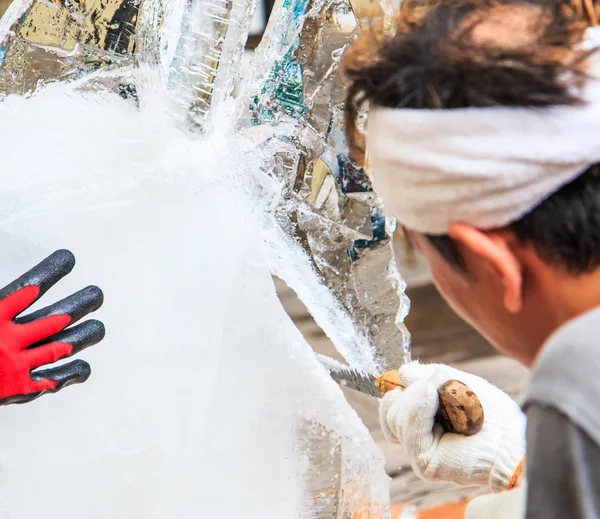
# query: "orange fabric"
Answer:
x=451 y=511
x=515 y=476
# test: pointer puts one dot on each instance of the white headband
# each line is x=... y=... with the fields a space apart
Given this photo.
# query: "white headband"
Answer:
x=483 y=166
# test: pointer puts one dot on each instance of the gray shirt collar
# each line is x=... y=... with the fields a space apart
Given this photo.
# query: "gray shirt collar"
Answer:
x=566 y=374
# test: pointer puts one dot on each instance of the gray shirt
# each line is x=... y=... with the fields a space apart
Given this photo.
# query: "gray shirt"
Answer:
x=563 y=424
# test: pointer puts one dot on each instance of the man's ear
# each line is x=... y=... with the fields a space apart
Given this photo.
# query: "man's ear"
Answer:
x=494 y=248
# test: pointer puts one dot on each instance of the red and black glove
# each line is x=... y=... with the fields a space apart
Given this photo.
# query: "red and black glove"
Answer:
x=42 y=337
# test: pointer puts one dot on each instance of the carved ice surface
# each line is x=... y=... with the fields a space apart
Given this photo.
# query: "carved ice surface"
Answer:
x=51 y=39
x=329 y=206
x=204 y=400
x=204 y=67
x=198 y=42
x=332 y=210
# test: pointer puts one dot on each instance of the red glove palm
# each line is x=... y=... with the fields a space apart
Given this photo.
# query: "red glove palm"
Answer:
x=42 y=337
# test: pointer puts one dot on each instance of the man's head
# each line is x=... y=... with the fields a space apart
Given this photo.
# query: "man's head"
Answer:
x=519 y=282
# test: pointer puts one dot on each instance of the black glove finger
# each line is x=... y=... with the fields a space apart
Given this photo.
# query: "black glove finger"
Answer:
x=44 y=275
x=19 y=399
x=76 y=306
x=80 y=337
x=74 y=372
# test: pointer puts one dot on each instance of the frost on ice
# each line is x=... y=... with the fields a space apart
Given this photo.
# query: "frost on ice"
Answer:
x=180 y=201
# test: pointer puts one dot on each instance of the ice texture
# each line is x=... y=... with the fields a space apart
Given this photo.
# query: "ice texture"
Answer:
x=329 y=206
x=332 y=211
x=205 y=65
x=204 y=399
x=181 y=202
x=43 y=41
x=198 y=43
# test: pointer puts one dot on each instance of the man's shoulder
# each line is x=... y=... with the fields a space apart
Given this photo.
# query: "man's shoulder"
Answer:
x=563 y=462
x=566 y=375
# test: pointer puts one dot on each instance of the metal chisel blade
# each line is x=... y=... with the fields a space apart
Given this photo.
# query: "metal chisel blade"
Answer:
x=349 y=377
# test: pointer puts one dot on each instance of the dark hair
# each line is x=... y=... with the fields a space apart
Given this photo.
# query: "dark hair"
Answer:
x=442 y=58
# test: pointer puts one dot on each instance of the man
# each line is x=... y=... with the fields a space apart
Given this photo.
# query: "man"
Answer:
x=483 y=138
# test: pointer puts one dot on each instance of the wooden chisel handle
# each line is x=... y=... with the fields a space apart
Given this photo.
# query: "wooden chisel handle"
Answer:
x=460 y=410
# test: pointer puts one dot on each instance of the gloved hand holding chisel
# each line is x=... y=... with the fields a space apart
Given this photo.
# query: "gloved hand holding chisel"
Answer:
x=493 y=457
x=456 y=427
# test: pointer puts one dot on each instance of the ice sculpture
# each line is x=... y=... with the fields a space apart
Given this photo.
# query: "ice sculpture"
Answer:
x=102 y=40
x=204 y=391
x=52 y=40
x=333 y=211
x=199 y=396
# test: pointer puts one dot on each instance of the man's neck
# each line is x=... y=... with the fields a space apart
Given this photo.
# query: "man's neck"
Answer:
x=562 y=297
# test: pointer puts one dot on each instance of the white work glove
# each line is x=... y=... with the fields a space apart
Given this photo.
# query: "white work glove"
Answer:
x=493 y=457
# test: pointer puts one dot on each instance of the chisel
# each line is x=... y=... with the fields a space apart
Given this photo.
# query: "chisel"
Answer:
x=459 y=411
